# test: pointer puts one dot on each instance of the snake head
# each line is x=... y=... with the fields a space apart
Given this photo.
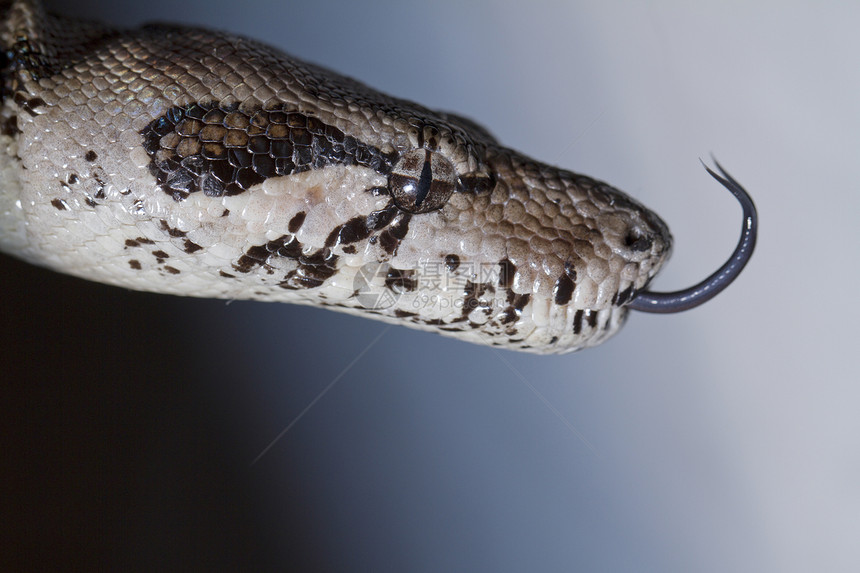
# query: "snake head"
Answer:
x=546 y=259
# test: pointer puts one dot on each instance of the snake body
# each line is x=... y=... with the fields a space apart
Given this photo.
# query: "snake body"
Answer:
x=197 y=163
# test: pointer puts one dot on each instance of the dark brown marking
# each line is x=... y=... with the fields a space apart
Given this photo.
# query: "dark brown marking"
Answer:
x=577 y=321
x=135 y=264
x=507 y=316
x=131 y=243
x=29 y=105
x=382 y=218
x=563 y=290
x=10 y=126
x=224 y=150
x=171 y=270
x=390 y=238
x=472 y=299
x=401 y=280
x=160 y=255
x=91 y=156
x=516 y=304
x=507 y=270
x=313 y=268
x=352 y=231
x=404 y=314
x=592 y=318
x=226 y=275
x=350 y=249
x=98 y=176
x=623 y=297
x=172 y=231
x=73 y=178
x=191 y=247
x=296 y=222
x=145 y=241
x=452 y=262
x=60 y=204
x=90 y=201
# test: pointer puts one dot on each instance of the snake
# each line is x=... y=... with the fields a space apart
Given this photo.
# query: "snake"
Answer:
x=193 y=162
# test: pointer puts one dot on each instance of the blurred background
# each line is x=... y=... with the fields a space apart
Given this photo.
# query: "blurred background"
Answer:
x=722 y=439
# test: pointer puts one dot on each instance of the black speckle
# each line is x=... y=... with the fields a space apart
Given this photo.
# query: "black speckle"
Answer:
x=507 y=270
x=563 y=290
x=29 y=105
x=60 y=204
x=472 y=299
x=90 y=201
x=10 y=126
x=191 y=247
x=225 y=213
x=172 y=231
x=91 y=156
x=381 y=218
x=160 y=255
x=296 y=222
x=145 y=241
x=226 y=275
x=350 y=232
x=131 y=243
x=401 y=280
x=73 y=178
x=452 y=262
x=171 y=270
x=312 y=268
x=350 y=249
x=622 y=297
x=135 y=264
x=516 y=304
x=390 y=238
x=577 y=321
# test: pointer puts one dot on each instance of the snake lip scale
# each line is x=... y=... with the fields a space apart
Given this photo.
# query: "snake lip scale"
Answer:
x=198 y=163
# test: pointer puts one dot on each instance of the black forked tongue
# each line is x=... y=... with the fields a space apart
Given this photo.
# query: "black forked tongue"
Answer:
x=665 y=302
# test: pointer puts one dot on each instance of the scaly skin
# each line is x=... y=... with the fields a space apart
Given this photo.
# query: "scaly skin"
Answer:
x=197 y=163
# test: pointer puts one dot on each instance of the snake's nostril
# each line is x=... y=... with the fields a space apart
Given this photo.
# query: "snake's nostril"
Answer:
x=636 y=240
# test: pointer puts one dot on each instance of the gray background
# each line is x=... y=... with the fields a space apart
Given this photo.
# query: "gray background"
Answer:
x=723 y=439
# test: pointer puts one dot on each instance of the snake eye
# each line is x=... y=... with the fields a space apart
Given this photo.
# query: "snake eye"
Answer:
x=422 y=181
